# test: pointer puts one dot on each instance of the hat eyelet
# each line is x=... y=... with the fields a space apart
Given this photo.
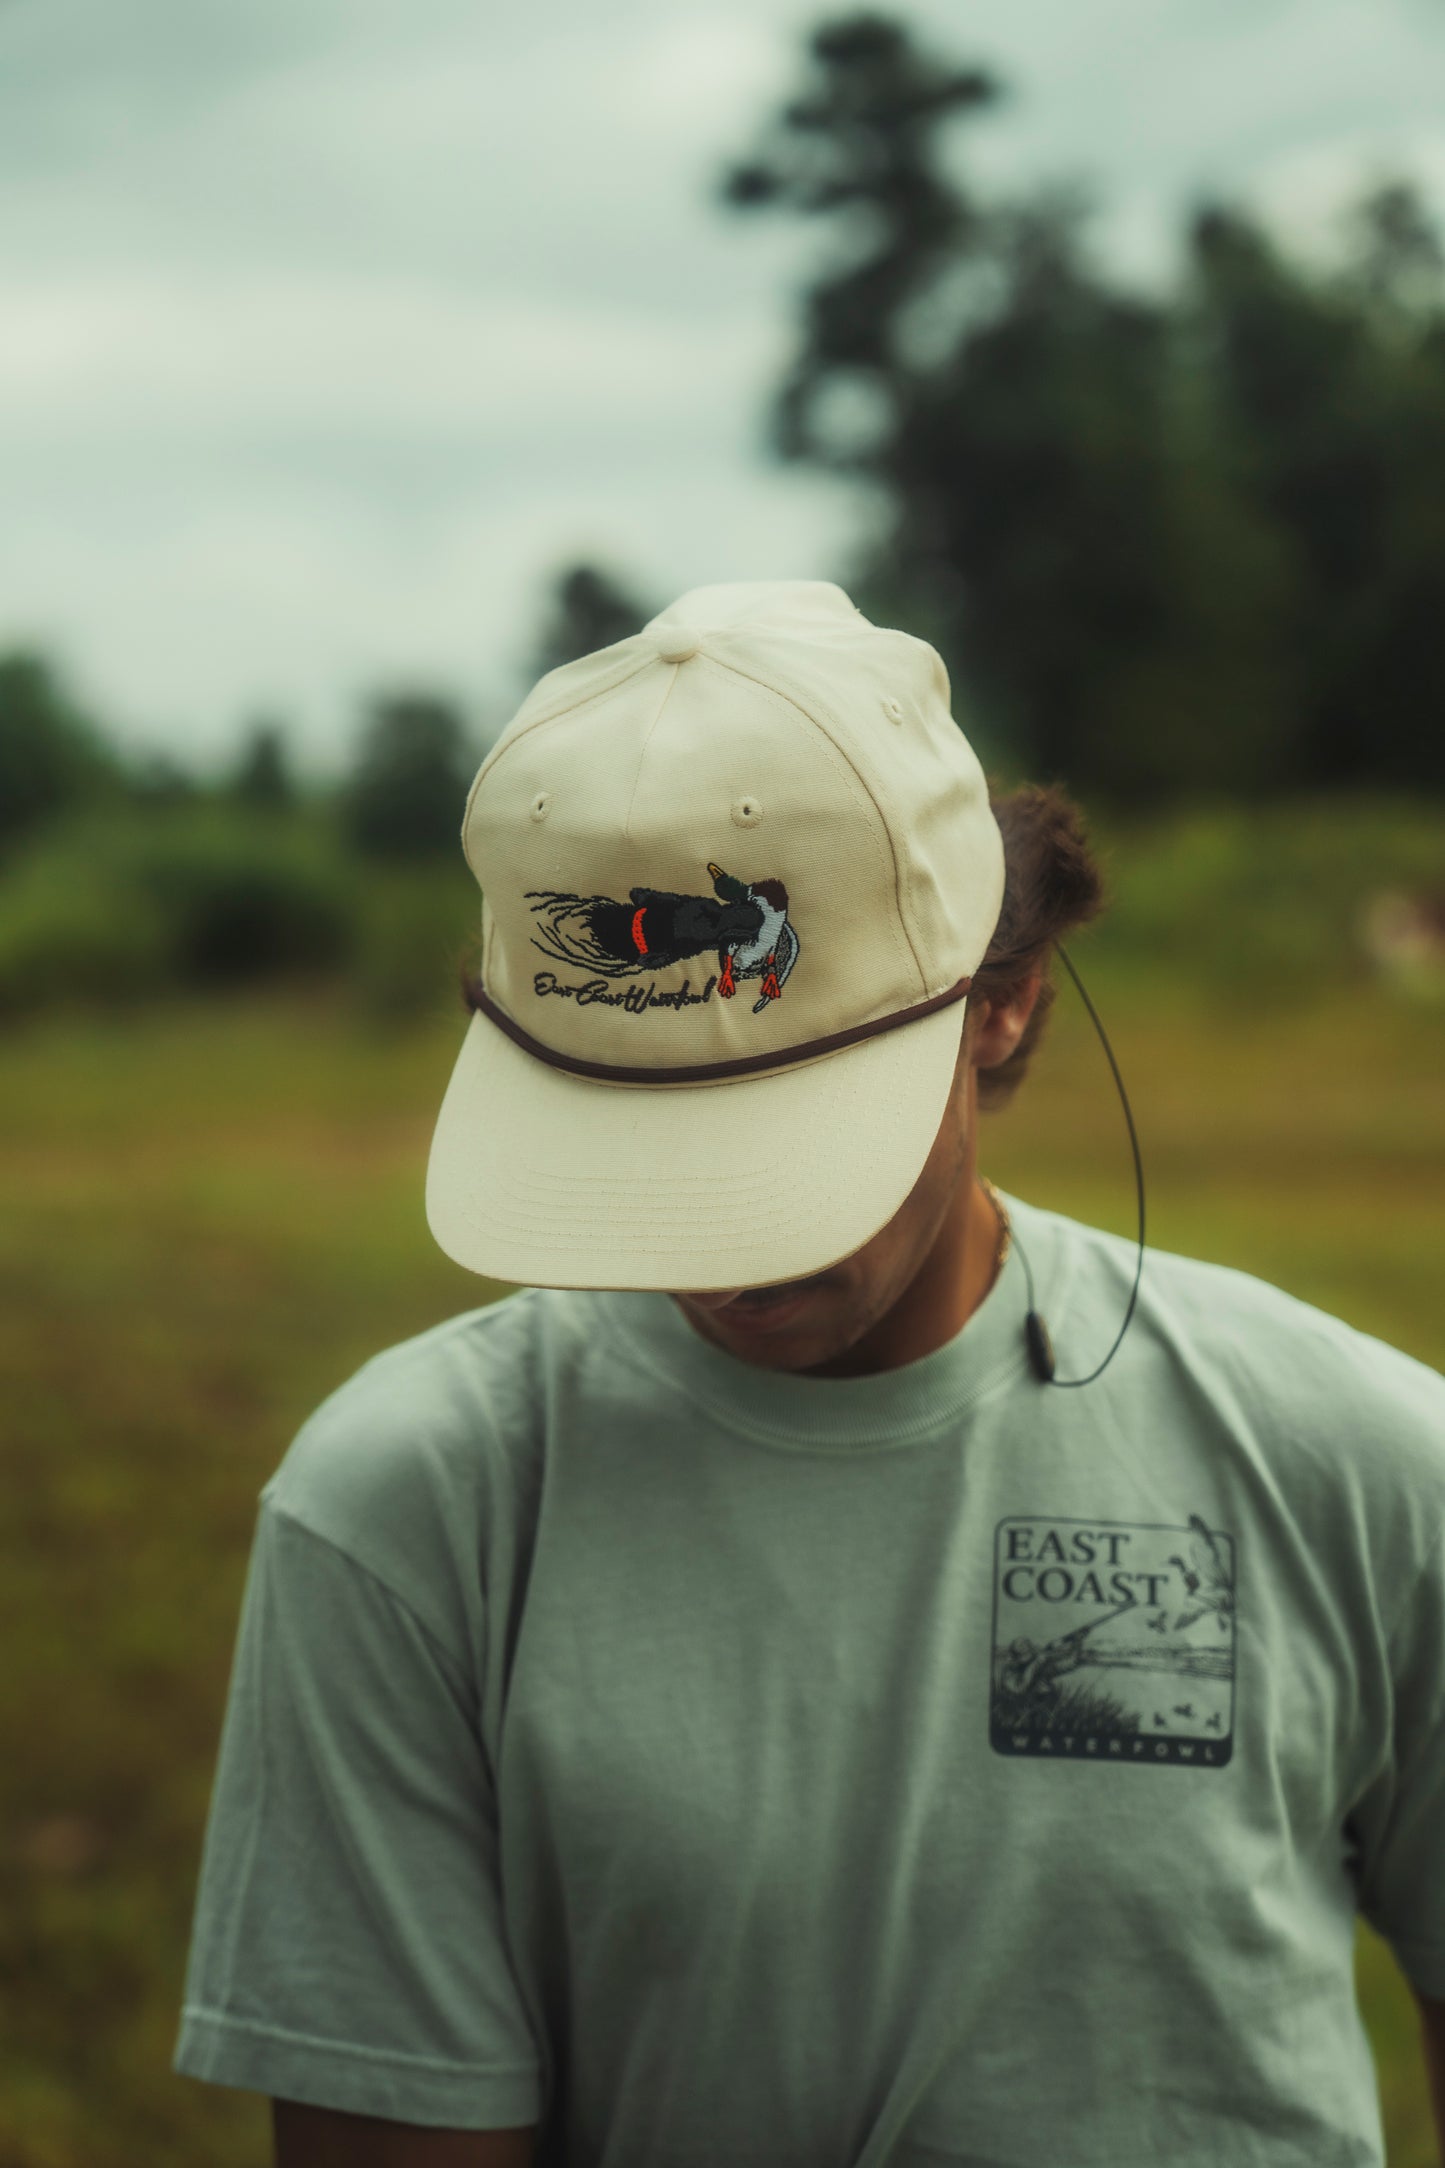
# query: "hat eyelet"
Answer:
x=893 y=709
x=748 y=812
x=540 y=805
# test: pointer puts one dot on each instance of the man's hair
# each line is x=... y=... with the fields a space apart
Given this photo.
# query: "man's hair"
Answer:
x=1052 y=884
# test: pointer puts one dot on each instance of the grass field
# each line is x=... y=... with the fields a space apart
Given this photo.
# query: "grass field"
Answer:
x=214 y=1214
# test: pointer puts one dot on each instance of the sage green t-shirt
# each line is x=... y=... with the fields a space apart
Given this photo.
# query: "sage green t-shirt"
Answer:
x=722 y=1767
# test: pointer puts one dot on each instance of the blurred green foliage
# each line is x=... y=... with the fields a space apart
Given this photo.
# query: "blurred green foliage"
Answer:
x=1186 y=541
x=52 y=757
x=127 y=882
x=590 y=609
x=138 y=902
x=405 y=796
x=263 y=778
x=1273 y=902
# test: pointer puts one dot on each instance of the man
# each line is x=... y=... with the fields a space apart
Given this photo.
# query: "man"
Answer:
x=718 y=1705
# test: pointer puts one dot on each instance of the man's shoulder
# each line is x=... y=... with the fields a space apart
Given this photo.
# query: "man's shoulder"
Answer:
x=435 y=1429
x=1243 y=1330
x=1236 y=1313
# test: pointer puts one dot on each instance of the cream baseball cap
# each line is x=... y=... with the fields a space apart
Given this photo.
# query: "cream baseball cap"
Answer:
x=736 y=872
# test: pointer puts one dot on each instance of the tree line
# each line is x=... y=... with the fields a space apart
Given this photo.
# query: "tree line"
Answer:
x=123 y=878
x=413 y=758
x=1175 y=548
x=1190 y=543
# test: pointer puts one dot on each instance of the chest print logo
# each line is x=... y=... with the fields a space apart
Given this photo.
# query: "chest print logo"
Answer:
x=744 y=924
x=1113 y=1641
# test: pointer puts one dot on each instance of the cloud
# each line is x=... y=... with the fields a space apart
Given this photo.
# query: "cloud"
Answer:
x=253 y=359
x=333 y=325
x=294 y=599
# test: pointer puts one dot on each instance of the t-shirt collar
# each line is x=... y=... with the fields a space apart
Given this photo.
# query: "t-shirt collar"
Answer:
x=892 y=1407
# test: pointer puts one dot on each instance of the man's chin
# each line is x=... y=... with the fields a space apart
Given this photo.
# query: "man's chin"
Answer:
x=789 y=1336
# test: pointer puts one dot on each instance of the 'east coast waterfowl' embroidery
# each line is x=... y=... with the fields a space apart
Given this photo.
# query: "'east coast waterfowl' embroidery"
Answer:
x=745 y=924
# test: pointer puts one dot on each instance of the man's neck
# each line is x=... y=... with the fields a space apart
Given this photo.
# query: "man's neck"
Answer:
x=955 y=1276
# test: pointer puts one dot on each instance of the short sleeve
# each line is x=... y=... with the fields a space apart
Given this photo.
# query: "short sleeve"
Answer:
x=1398 y=1825
x=348 y=1947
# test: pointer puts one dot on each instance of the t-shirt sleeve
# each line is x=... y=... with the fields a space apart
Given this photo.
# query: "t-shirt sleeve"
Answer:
x=348 y=1946
x=1398 y=1825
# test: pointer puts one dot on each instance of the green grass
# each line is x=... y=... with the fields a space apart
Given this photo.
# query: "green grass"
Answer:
x=214 y=1214
x=1267 y=903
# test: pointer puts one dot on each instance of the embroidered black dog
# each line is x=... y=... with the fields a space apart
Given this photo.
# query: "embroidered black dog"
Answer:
x=744 y=925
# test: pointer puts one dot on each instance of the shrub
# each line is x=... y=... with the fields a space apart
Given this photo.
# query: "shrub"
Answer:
x=247 y=899
x=417 y=924
x=146 y=902
x=1265 y=903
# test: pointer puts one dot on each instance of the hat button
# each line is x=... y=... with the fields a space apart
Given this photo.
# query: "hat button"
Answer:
x=675 y=643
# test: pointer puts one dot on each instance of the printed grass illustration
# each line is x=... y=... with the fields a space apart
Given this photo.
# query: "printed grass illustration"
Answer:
x=1064 y=1708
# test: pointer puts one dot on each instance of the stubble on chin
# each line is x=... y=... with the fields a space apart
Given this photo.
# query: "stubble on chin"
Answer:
x=784 y=1351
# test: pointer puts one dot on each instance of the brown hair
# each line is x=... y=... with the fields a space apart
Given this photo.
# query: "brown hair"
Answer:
x=1052 y=884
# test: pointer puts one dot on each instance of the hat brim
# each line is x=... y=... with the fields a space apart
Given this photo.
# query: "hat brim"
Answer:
x=544 y=1179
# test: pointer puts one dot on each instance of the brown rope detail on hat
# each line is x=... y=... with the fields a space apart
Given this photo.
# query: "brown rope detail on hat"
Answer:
x=708 y=1071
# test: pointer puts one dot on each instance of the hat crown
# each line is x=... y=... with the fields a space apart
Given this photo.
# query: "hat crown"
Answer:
x=750 y=826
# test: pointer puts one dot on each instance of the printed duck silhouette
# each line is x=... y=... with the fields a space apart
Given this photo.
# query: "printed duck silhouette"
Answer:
x=745 y=924
x=1207 y=1579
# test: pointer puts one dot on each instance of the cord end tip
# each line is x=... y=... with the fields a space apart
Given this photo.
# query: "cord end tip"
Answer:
x=1041 y=1351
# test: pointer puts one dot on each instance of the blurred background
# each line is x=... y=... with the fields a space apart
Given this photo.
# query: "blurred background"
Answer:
x=360 y=362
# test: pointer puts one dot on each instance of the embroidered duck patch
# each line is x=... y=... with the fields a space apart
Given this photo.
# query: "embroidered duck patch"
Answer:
x=745 y=924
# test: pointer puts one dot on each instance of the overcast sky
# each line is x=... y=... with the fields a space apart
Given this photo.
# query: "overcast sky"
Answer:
x=329 y=329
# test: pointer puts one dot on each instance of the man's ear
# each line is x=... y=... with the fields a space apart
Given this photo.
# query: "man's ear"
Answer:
x=1001 y=1024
